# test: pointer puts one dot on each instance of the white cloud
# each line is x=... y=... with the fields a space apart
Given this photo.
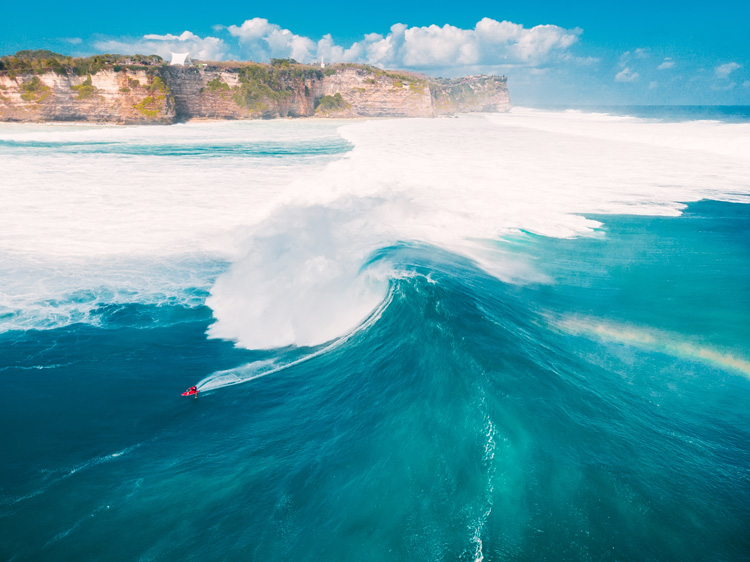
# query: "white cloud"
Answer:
x=653 y=85
x=207 y=48
x=723 y=87
x=627 y=56
x=583 y=61
x=746 y=84
x=724 y=70
x=490 y=43
x=261 y=40
x=666 y=64
x=626 y=75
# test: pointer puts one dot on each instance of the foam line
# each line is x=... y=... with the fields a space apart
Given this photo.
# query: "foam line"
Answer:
x=69 y=473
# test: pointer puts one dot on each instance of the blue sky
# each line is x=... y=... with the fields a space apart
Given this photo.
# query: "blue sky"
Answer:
x=553 y=52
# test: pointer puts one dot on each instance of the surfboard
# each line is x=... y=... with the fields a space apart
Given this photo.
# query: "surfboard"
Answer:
x=190 y=391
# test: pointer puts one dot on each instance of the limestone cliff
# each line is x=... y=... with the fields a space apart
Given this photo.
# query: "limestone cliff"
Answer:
x=167 y=94
x=107 y=96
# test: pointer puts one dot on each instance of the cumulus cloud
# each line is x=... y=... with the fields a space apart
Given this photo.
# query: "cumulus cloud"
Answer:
x=489 y=43
x=724 y=70
x=261 y=40
x=206 y=48
x=666 y=64
x=626 y=75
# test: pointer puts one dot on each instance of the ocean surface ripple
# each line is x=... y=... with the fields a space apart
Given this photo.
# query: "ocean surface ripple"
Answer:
x=518 y=336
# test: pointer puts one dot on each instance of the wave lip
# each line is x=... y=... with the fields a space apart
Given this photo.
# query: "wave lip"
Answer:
x=258 y=369
x=454 y=184
x=300 y=281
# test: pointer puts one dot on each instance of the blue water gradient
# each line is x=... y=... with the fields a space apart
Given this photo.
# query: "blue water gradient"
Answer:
x=473 y=419
x=670 y=113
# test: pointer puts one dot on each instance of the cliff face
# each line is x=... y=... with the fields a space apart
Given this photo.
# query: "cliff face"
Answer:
x=369 y=94
x=107 y=96
x=472 y=93
x=215 y=93
x=167 y=94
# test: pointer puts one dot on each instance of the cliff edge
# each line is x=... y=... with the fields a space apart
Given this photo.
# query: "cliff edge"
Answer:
x=138 y=90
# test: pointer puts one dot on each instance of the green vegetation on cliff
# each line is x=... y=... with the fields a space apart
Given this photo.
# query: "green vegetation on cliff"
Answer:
x=85 y=89
x=263 y=85
x=331 y=104
x=42 y=61
x=232 y=89
x=151 y=105
x=283 y=63
x=33 y=90
x=259 y=85
x=217 y=85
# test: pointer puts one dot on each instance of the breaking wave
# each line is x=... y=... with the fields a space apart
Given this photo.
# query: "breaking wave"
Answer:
x=298 y=230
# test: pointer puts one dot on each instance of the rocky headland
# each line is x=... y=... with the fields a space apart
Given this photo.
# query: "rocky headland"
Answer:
x=40 y=86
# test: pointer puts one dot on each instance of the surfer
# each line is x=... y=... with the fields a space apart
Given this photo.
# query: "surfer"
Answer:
x=192 y=391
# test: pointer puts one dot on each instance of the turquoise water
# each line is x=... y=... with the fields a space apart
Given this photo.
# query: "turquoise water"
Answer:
x=596 y=413
x=263 y=150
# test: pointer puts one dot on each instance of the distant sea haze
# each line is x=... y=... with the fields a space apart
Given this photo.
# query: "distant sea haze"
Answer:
x=668 y=113
x=513 y=335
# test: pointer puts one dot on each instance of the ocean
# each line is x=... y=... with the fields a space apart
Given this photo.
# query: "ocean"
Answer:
x=519 y=336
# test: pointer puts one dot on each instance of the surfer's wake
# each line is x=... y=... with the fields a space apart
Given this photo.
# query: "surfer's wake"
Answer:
x=258 y=369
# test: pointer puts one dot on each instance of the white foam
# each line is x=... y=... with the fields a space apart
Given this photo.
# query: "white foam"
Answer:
x=82 y=230
x=453 y=183
x=298 y=230
x=723 y=139
x=299 y=280
x=50 y=293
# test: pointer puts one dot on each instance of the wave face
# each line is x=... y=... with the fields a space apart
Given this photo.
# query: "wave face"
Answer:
x=516 y=336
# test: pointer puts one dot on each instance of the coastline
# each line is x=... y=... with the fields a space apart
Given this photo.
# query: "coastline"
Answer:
x=166 y=94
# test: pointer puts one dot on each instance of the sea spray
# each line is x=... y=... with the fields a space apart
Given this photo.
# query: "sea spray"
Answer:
x=300 y=280
x=454 y=184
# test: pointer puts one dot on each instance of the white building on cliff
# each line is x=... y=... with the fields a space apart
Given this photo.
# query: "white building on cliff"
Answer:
x=181 y=59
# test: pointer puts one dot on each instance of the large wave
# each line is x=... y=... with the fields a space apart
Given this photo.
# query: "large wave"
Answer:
x=299 y=229
x=461 y=185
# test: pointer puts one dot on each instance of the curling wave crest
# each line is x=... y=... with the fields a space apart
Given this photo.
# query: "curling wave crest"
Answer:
x=459 y=184
x=300 y=230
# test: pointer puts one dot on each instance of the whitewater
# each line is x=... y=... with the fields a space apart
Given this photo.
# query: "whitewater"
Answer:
x=95 y=214
x=497 y=336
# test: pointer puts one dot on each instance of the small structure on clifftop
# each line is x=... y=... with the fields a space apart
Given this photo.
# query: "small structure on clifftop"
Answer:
x=180 y=59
